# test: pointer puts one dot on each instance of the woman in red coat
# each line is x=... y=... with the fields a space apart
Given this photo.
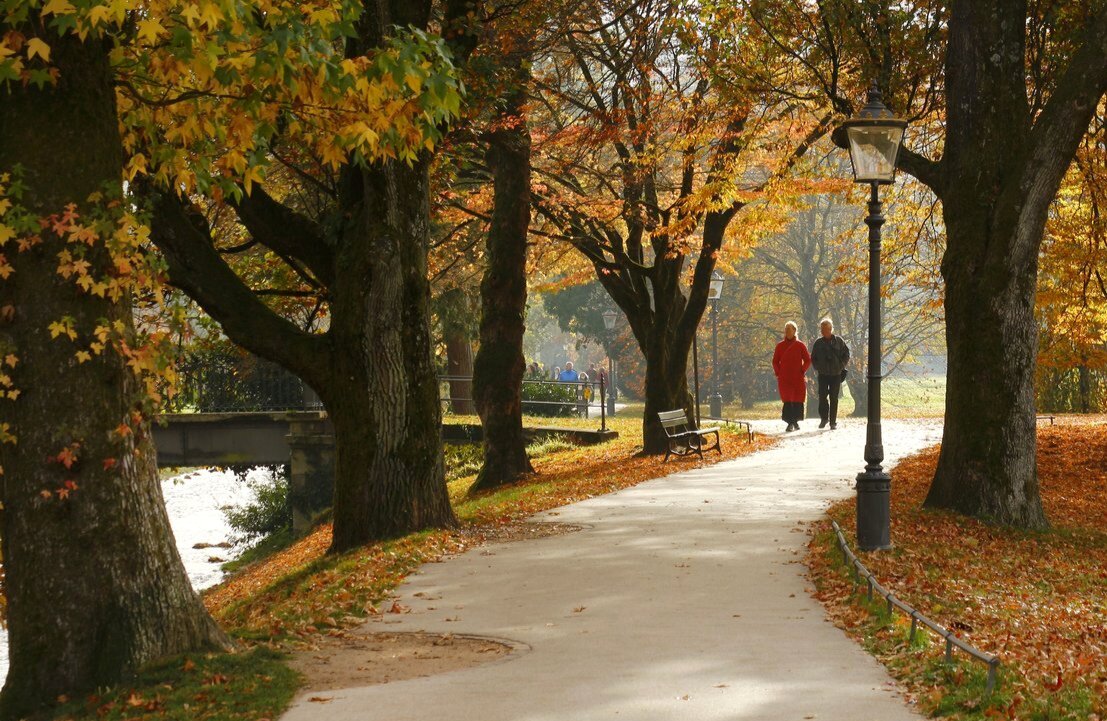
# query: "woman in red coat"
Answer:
x=790 y=362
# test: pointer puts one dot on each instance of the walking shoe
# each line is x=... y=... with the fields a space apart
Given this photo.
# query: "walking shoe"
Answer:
x=823 y=422
x=790 y=428
x=833 y=426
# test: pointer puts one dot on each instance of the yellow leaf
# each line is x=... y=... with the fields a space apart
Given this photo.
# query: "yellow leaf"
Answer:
x=414 y=82
x=191 y=13
x=83 y=355
x=58 y=7
x=150 y=30
x=35 y=46
x=11 y=359
x=99 y=15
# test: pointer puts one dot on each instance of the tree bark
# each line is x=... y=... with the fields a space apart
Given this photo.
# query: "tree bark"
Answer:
x=392 y=478
x=374 y=367
x=859 y=389
x=1084 y=386
x=667 y=350
x=1001 y=170
x=666 y=390
x=95 y=587
x=500 y=365
x=987 y=466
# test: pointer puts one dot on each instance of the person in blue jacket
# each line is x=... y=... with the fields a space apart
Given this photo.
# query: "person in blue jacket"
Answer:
x=569 y=375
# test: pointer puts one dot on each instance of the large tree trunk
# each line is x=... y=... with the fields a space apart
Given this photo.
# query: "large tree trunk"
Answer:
x=390 y=477
x=499 y=368
x=94 y=584
x=666 y=386
x=665 y=391
x=1001 y=170
x=988 y=466
x=374 y=367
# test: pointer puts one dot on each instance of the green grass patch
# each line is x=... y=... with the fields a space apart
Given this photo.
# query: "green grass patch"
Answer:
x=264 y=548
x=245 y=686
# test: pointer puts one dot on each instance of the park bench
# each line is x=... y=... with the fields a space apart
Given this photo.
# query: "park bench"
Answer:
x=683 y=438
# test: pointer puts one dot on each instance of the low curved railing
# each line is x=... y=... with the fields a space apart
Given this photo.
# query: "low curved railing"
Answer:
x=952 y=640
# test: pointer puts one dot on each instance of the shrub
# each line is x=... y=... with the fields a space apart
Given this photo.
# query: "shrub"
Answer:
x=564 y=395
x=269 y=513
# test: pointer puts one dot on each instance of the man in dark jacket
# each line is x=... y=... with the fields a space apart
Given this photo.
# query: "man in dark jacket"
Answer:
x=829 y=356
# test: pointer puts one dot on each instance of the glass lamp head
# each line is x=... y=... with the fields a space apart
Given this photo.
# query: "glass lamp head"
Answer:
x=715 y=288
x=874 y=138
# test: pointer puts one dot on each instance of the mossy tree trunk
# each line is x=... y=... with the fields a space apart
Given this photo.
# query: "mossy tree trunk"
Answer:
x=94 y=584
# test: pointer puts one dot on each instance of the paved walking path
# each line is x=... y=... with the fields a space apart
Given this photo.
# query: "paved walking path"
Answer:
x=682 y=599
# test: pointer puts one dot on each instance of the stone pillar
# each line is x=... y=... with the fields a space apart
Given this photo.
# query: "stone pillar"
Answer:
x=311 y=468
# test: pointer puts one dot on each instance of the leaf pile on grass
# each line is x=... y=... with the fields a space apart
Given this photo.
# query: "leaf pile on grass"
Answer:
x=299 y=591
x=1037 y=600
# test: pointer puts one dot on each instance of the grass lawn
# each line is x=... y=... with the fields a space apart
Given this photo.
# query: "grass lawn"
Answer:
x=1038 y=600
x=298 y=593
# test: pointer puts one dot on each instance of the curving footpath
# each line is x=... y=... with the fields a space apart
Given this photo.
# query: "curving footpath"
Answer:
x=683 y=598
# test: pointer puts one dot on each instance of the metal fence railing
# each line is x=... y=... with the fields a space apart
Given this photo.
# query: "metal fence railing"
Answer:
x=217 y=382
x=917 y=619
x=565 y=399
x=746 y=425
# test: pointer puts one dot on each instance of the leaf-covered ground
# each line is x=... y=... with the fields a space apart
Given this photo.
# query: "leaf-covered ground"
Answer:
x=1037 y=600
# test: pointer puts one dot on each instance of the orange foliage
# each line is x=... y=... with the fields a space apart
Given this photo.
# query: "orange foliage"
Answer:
x=1037 y=600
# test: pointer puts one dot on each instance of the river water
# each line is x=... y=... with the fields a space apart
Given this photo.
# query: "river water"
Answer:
x=194 y=502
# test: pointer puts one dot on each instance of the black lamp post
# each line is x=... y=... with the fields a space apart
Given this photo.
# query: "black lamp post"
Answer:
x=715 y=290
x=609 y=318
x=873 y=138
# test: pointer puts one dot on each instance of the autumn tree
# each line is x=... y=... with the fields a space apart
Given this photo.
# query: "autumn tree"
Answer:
x=367 y=256
x=1071 y=302
x=652 y=142
x=499 y=366
x=94 y=585
x=1006 y=150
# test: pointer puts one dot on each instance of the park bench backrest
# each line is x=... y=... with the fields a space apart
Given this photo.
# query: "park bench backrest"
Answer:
x=674 y=422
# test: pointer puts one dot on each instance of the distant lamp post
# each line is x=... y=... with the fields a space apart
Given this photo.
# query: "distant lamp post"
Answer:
x=874 y=138
x=609 y=318
x=714 y=292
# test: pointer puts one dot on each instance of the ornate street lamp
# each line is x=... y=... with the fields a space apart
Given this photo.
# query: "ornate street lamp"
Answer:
x=873 y=138
x=715 y=291
x=609 y=318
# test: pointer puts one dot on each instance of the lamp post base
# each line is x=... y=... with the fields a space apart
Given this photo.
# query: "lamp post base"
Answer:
x=873 y=510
